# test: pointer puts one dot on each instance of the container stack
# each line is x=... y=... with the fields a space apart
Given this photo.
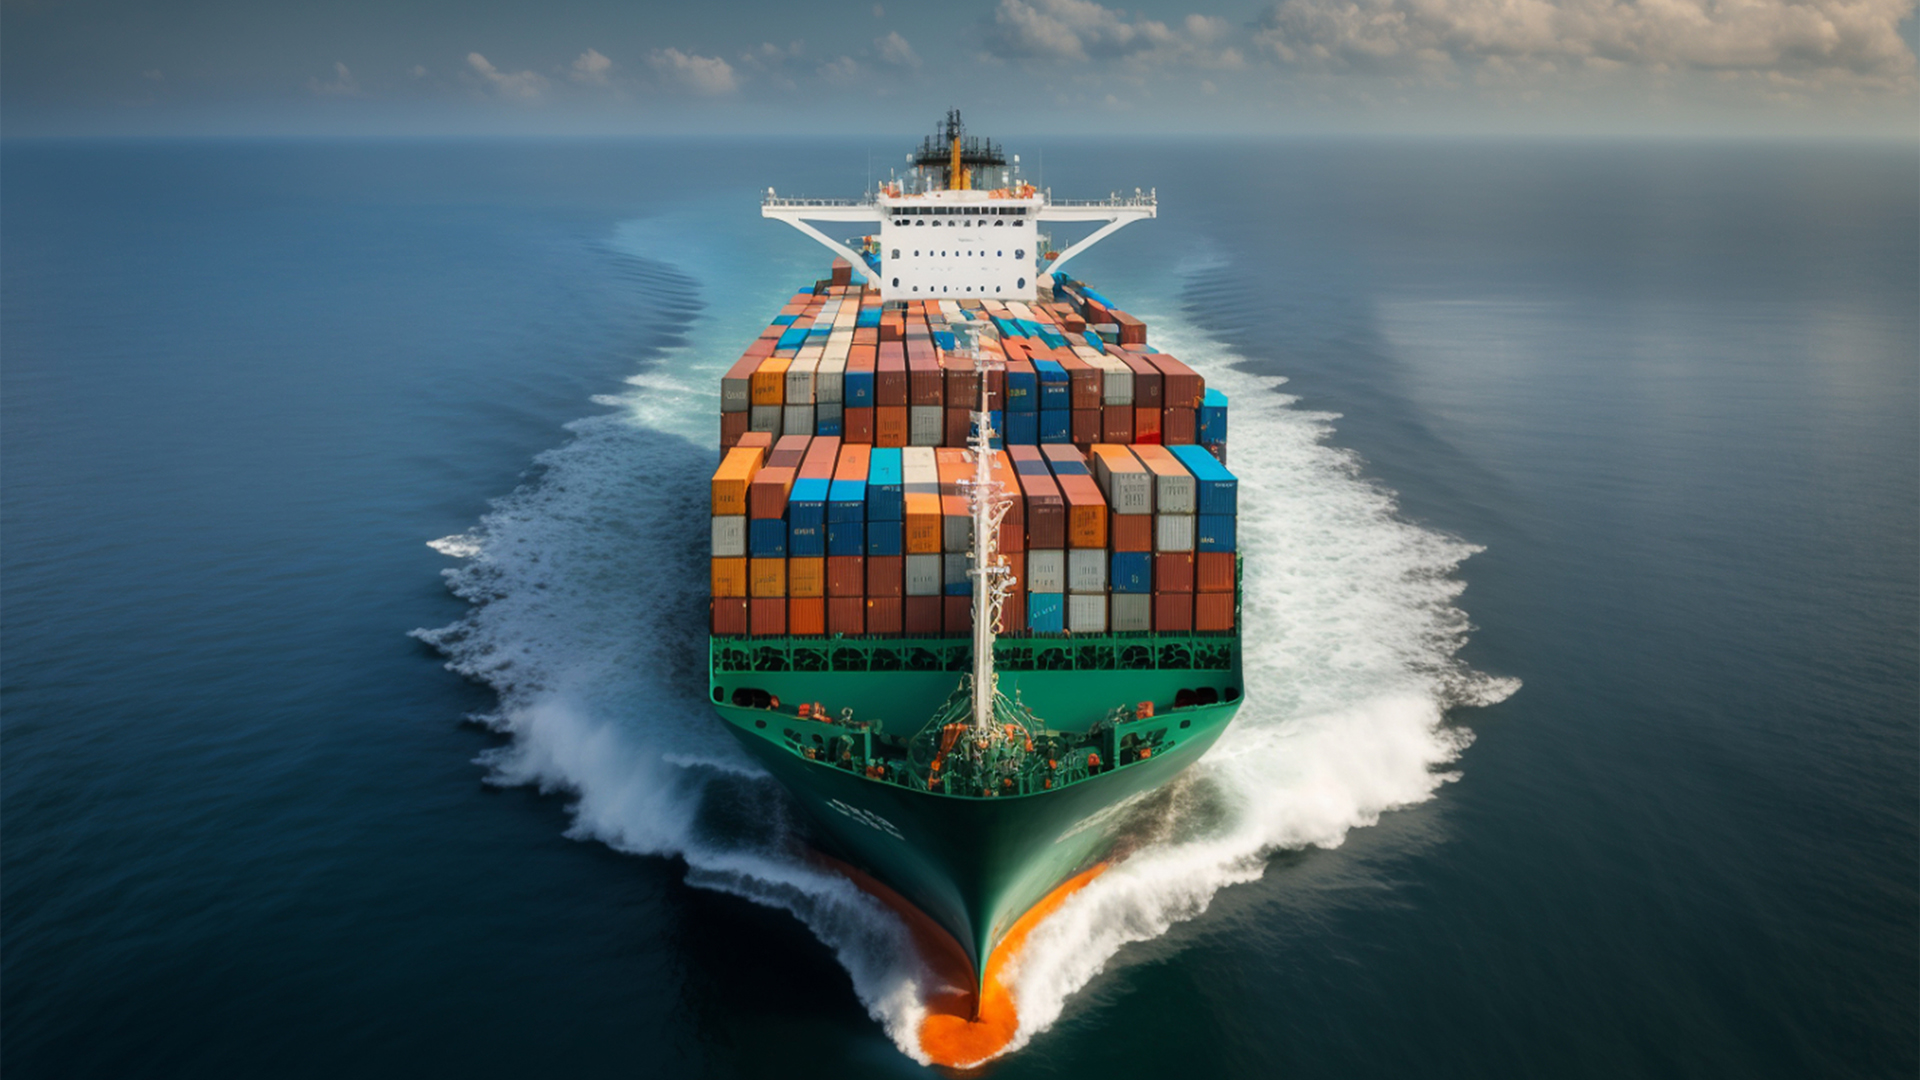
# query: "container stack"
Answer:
x=839 y=506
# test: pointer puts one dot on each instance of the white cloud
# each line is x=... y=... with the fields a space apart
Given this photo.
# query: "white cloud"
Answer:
x=700 y=74
x=343 y=84
x=591 y=67
x=840 y=72
x=1850 y=40
x=418 y=71
x=893 y=49
x=526 y=85
x=1080 y=30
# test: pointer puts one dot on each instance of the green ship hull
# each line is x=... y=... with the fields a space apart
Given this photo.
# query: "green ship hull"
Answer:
x=974 y=863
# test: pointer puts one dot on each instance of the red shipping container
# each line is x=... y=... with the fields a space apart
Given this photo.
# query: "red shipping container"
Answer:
x=767 y=495
x=1184 y=388
x=890 y=426
x=1116 y=424
x=962 y=389
x=1086 y=427
x=856 y=426
x=729 y=616
x=1173 y=612
x=886 y=575
x=732 y=426
x=846 y=575
x=1213 y=611
x=1046 y=517
x=1213 y=571
x=822 y=454
x=922 y=616
x=957 y=615
x=893 y=326
x=926 y=383
x=1083 y=382
x=884 y=615
x=1178 y=427
x=1173 y=571
x=890 y=376
x=768 y=616
x=847 y=615
x=1132 y=330
x=1130 y=532
x=1146 y=426
x=789 y=451
x=807 y=617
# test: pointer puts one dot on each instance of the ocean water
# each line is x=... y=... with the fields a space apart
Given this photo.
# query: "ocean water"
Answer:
x=1581 y=507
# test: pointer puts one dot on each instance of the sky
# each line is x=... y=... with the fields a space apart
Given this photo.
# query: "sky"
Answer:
x=1742 y=68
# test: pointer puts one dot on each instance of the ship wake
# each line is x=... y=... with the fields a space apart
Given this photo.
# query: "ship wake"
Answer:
x=587 y=587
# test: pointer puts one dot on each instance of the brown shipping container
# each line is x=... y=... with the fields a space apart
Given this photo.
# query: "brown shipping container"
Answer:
x=890 y=426
x=732 y=479
x=962 y=389
x=730 y=616
x=1132 y=330
x=807 y=617
x=957 y=615
x=886 y=575
x=922 y=616
x=768 y=618
x=926 y=385
x=958 y=425
x=732 y=426
x=767 y=495
x=1214 y=571
x=856 y=426
x=1116 y=424
x=1178 y=427
x=846 y=575
x=1149 y=386
x=1173 y=571
x=884 y=615
x=890 y=386
x=1130 y=532
x=1013 y=614
x=788 y=452
x=1086 y=427
x=847 y=615
x=761 y=440
x=767 y=577
x=1184 y=388
x=1013 y=528
x=807 y=577
x=1086 y=512
x=1146 y=426
x=1083 y=382
x=1046 y=513
x=728 y=578
x=1213 y=611
x=893 y=326
x=1172 y=612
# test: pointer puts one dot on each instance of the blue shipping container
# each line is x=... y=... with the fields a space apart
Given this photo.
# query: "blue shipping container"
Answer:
x=1023 y=390
x=886 y=538
x=1068 y=468
x=846 y=538
x=1132 y=572
x=1054 y=387
x=1216 y=487
x=1213 y=418
x=767 y=538
x=1056 y=426
x=886 y=498
x=784 y=320
x=828 y=427
x=807 y=519
x=847 y=501
x=1214 y=532
x=1046 y=612
x=1023 y=428
x=1093 y=339
x=869 y=317
x=857 y=387
x=792 y=338
x=943 y=339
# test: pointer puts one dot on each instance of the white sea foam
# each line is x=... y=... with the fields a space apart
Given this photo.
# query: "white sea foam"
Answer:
x=588 y=587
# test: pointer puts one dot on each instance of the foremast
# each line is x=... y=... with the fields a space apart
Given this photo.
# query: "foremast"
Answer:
x=992 y=578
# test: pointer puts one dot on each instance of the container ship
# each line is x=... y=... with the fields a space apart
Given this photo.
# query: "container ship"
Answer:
x=975 y=582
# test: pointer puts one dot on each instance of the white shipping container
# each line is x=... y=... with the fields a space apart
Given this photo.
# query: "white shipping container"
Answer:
x=1128 y=491
x=1174 y=494
x=956 y=565
x=730 y=536
x=811 y=352
x=925 y=575
x=1047 y=571
x=956 y=532
x=1173 y=532
x=825 y=414
x=1087 y=570
x=736 y=395
x=797 y=419
x=765 y=418
x=800 y=381
x=1116 y=381
x=1132 y=612
x=829 y=381
x=1087 y=614
x=919 y=470
x=926 y=427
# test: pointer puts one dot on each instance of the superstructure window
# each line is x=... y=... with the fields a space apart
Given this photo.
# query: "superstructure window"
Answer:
x=896 y=283
x=999 y=221
x=896 y=253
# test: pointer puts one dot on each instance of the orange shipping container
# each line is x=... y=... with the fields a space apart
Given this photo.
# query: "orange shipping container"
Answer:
x=761 y=439
x=923 y=524
x=1213 y=611
x=1146 y=426
x=1131 y=532
x=1086 y=512
x=1213 y=571
x=807 y=577
x=890 y=426
x=847 y=615
x=807 y=617
x=729 y=578
x=1173 y=571
x=770 y=382
x=768 y=577
x=731 y=479
x=856 y=426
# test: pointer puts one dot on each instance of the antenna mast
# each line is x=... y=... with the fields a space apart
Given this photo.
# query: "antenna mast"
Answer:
x=992 y=578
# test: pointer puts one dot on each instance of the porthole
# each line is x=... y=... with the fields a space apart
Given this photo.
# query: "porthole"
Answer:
x=896 y=283
x=896 y=253
x=920 y=221
x=1019 y=253
x=999 y=221
x=1020 y=284
x=916 y=288
x=1001 y=254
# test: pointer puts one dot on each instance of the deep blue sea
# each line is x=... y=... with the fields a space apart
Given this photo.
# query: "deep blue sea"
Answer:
x=351 y=654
